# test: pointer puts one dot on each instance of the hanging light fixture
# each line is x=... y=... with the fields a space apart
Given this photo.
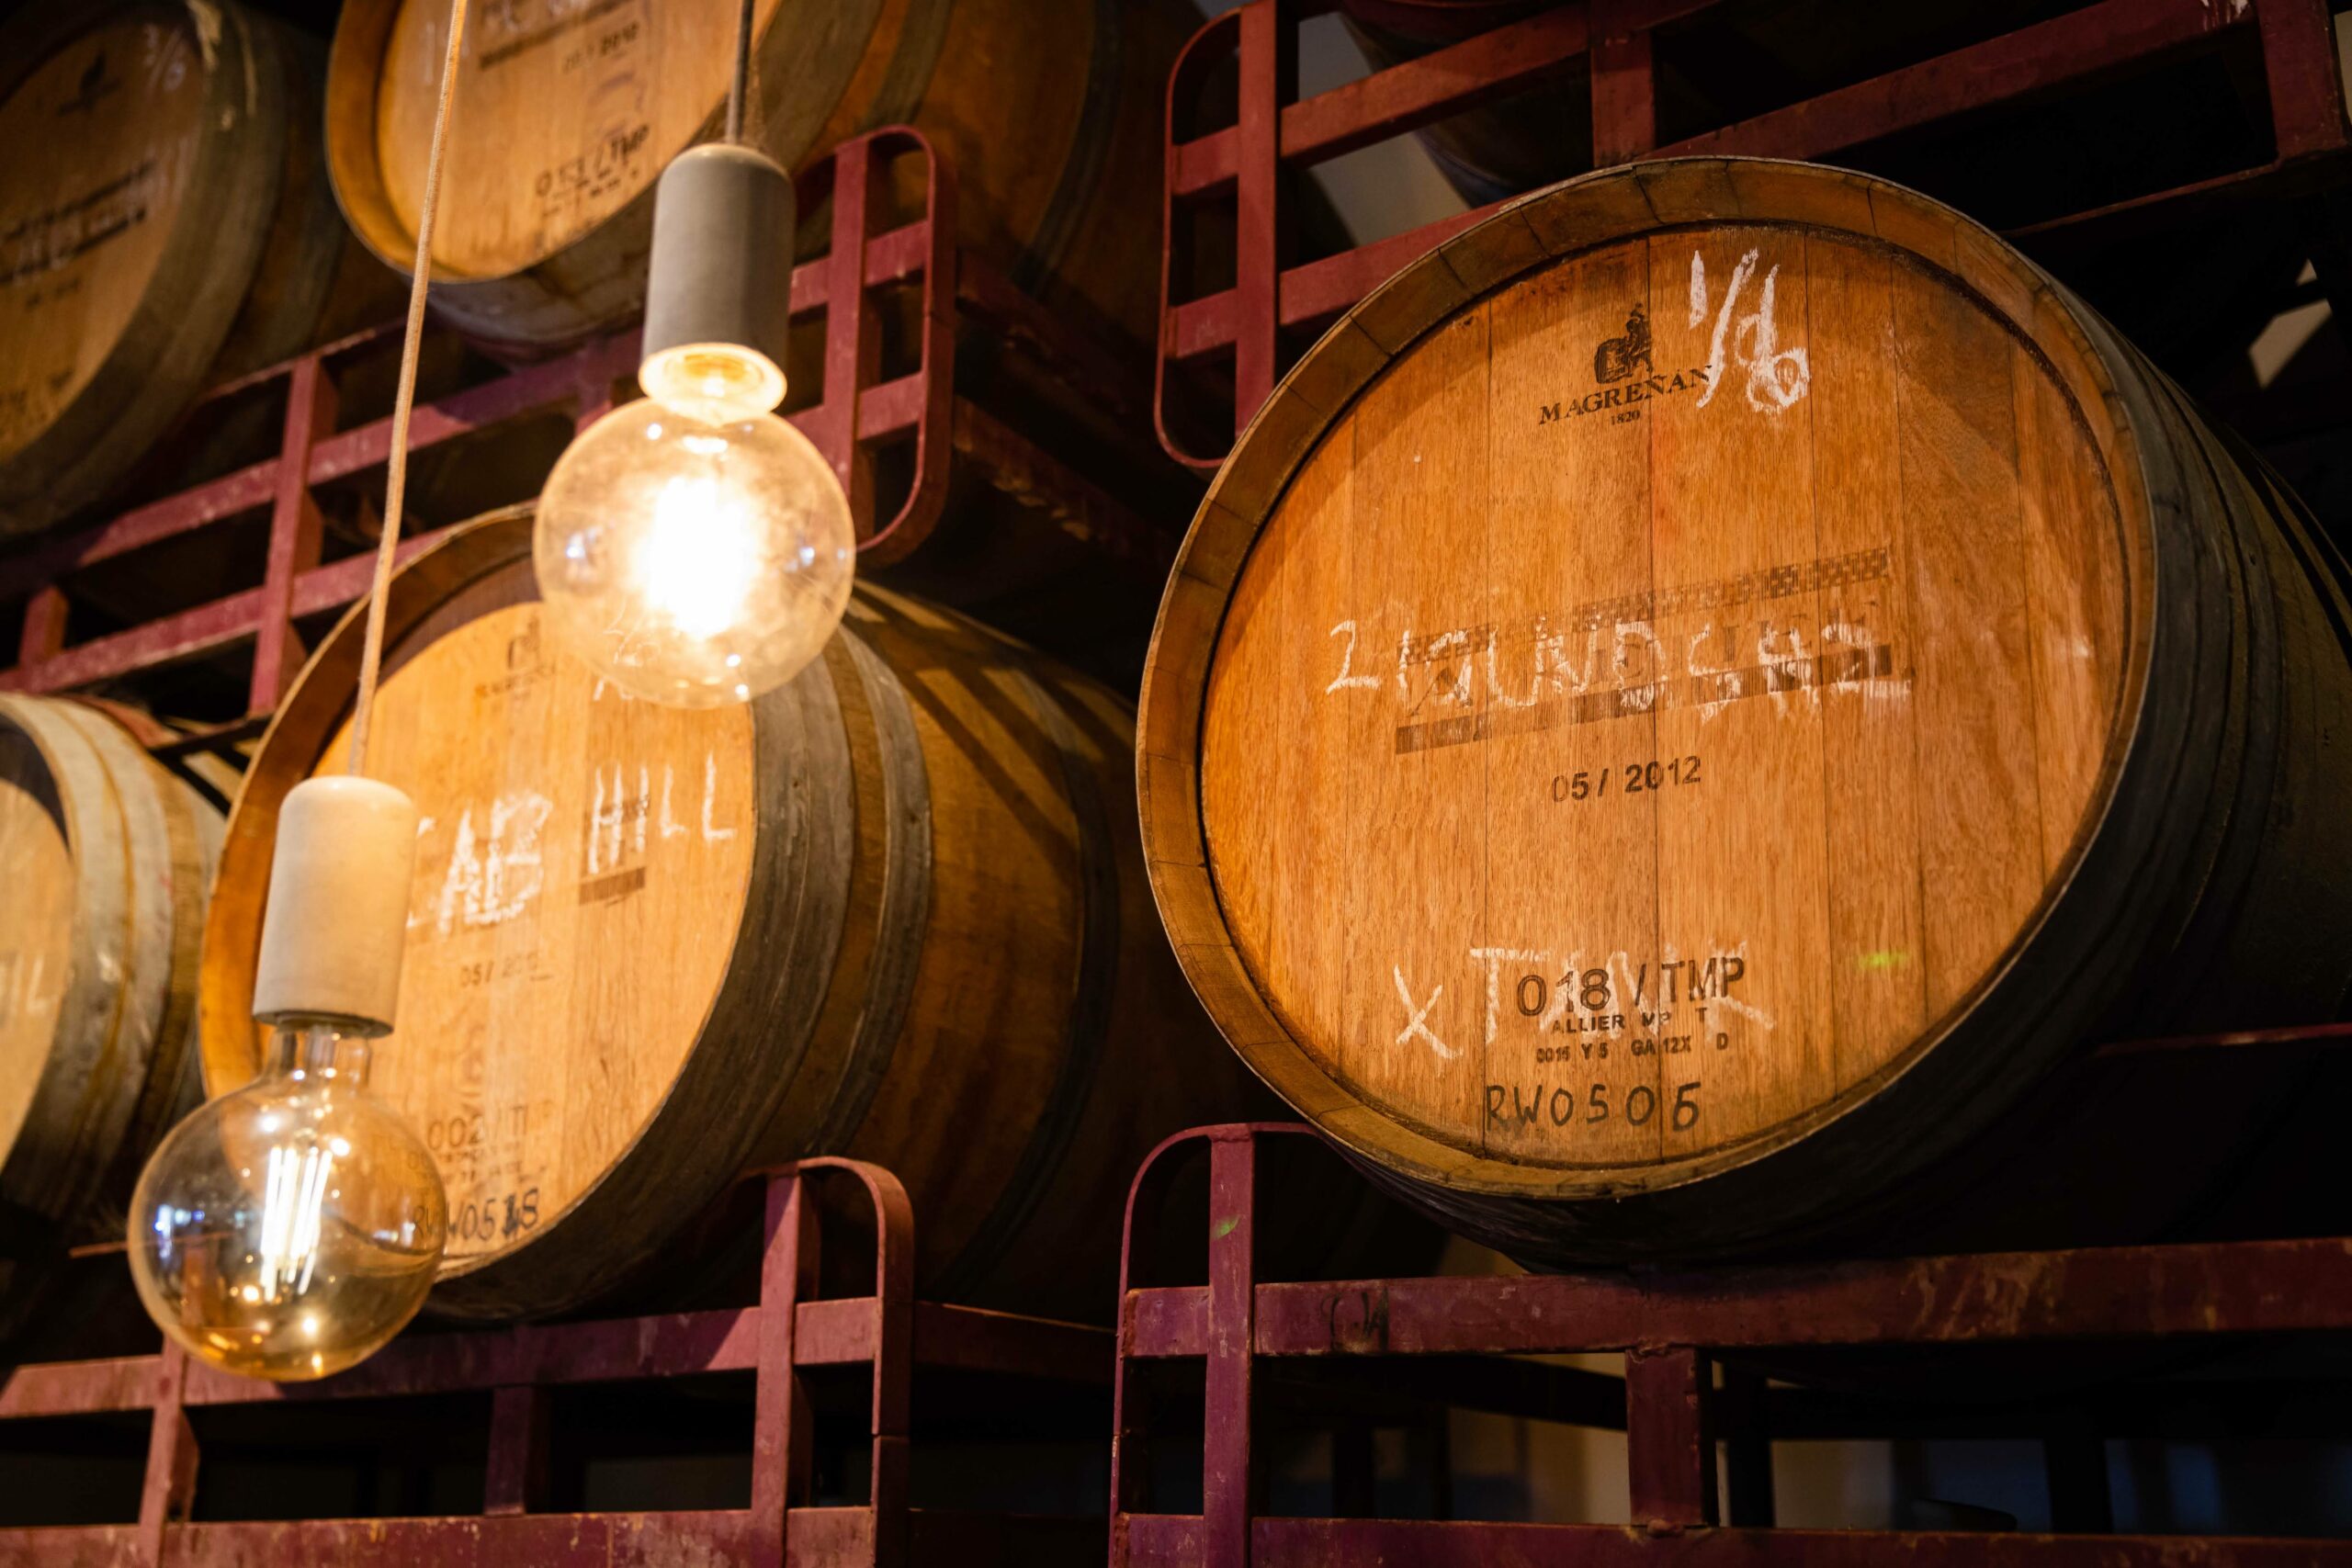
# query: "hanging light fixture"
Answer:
x=692 y=547
x=290 y=1228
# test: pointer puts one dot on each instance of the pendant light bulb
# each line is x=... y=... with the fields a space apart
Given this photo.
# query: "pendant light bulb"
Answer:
x=694 y=561
x=290 y=1228
x=694 y=548
x=717 y=382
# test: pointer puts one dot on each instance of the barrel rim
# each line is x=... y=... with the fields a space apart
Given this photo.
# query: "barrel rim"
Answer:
x=592 y=282
x=758 y=1026
x=224 y=1004
x=214 y=248
x=108 y=957
x=1533 y=233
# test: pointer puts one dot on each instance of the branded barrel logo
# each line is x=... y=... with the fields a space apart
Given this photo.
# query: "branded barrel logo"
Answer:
x=1618 y=357
x=1624 y=373
x=95 y=84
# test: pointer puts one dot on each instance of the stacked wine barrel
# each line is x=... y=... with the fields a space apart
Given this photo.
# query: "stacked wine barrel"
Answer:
x=165 y=224
x=107 y=857
x=1693 y=703
x=1048 y=111
x=1499 y=150
x=895 y=909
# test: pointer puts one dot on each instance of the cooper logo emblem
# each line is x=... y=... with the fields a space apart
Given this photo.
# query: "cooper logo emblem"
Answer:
x=1624 y=373
x=93 y=86
x=1618 y=357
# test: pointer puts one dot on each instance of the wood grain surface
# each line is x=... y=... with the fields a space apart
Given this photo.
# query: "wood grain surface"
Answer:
x=890 y=910
x=107 y=856
x=1656 y=674
x=1574 y=687
x=106 y=133
x=1047 y=109
x=165 y=223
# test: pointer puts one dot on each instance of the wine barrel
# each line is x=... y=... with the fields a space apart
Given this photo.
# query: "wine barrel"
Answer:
x=107 y=857
x=1498 y=150
x=1692 y=702
x=1048 y=111
x=165 y=224
x=893 y=909
x=1720 y=67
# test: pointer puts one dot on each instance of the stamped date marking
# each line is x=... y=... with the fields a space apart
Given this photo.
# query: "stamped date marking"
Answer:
x=1636 y=777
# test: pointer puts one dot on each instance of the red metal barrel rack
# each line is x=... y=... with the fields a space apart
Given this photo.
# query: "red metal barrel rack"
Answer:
x=1669 y=1327
x=868 y=403
x=1239 y=166
x=788 y=1334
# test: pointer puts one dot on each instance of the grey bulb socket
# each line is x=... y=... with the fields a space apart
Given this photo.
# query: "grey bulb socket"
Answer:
x=721 y=267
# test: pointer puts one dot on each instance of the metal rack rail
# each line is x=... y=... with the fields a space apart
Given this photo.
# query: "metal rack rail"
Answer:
x=1671 y=1326
x=865 y=407
x=790 y=1332
x=1239 y=167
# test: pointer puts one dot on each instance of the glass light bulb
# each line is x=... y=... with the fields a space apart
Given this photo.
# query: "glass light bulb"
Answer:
x=289 y=1229
x=714 y=381
x=693 y=557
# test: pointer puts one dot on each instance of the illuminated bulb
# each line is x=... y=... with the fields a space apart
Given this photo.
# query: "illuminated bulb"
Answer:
x=693 y=548
x=713 y=381
x=289 y=1229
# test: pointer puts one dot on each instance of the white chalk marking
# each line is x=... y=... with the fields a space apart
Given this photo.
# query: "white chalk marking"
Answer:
x=514 y=858
x=1459 y=693
x=1708 y=707
x=1535 y=679
x=1639 y=696
x=1740 y=275
x=1785 y=666
x=20 y=990
x=1494 y=958
x=1777 y=377
x=604 y=825
x=670 y=826
x=1754 y=1014
x=1343 y=682
x=1563 y=996
x=1416 y=1020
x=711 y=835
x=1869 y=685
x=488 y=883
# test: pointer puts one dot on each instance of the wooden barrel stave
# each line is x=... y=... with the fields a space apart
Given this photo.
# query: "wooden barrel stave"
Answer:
x=550 y=225
x=54 y=1153
x=927 y=944
x=1499 y=150
x=2189 y=656
x=109 y=856
x=214 y=248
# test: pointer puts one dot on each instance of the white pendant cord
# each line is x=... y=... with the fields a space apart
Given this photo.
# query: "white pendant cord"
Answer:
x=405 y=401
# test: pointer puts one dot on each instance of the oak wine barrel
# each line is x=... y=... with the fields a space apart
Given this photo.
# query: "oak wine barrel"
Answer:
x=1694 y=701
x=165 y=224
x=894 y=909
x=1500 y=148
x=107 y=857
x=1048 y=111
x=1718 y=67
